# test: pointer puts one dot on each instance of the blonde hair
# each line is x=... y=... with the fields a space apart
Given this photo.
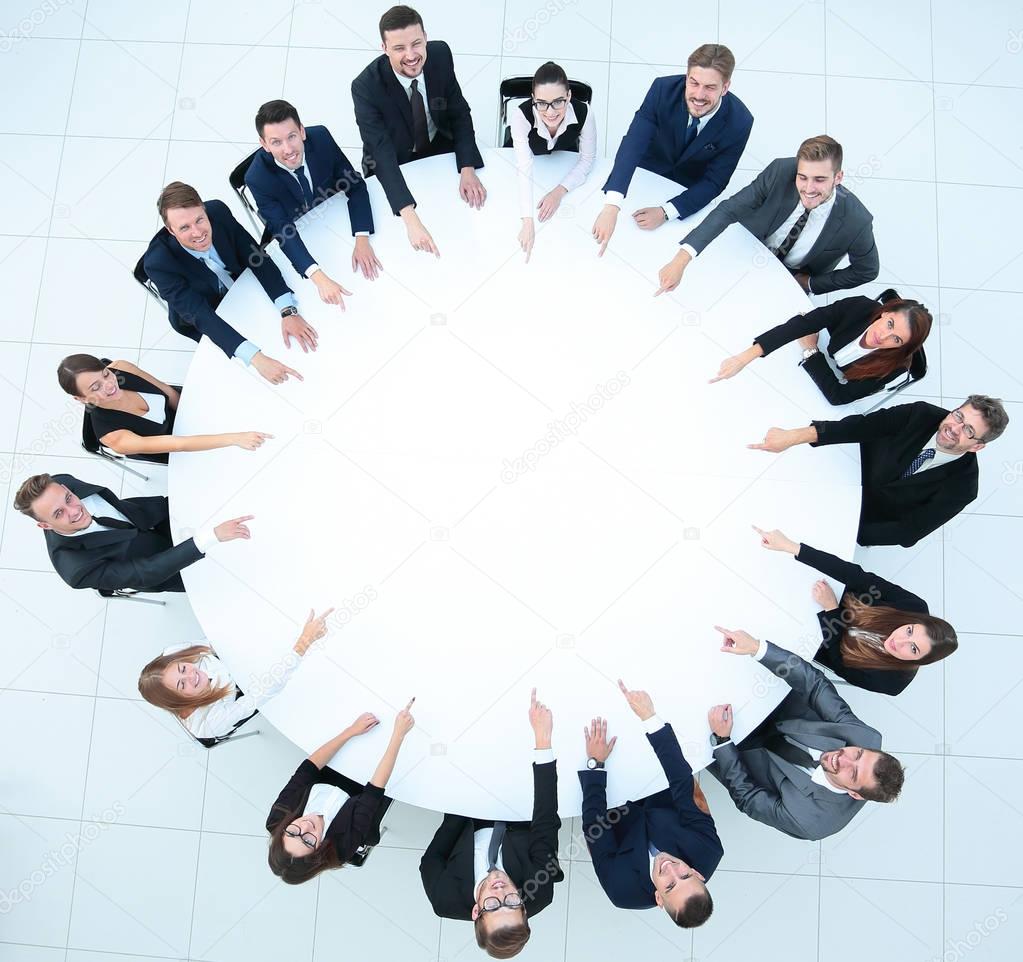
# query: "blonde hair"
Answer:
x=154 y=691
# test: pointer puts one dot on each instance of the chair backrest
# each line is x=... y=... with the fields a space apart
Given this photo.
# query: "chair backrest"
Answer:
x=918 y=364
x=89 y=440
x=519 y=88
x=139 y=273
x=237 y=179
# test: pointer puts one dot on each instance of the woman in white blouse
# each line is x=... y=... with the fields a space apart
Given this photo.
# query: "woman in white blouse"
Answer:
x=870 y=344
x=192 y=684
x=547 y=122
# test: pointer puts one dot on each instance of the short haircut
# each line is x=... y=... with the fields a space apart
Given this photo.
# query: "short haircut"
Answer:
x=30 y=491
x=175 y=195
x=993 y=413
x=550 y=73
x=821 y=147
x=696 y=910
x=398 y=18
x=888 y=776
x=505 y=942
x=275 y=112
x=713 y=56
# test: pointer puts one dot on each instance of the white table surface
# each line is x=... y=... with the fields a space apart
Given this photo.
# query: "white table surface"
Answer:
x=464 y=577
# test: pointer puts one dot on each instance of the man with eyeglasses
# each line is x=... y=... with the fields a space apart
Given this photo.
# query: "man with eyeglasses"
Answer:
x=660 y=850
x=918 y=462
x=499 y=874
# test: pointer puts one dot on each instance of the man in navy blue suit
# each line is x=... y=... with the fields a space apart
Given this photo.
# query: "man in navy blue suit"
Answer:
x=689 y=129
x=195 y=259
x=298 y=169
x=660 y=850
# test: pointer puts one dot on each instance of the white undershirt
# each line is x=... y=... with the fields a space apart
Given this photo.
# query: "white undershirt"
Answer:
x=325 y=800
x=853 y=351
x=157 y=407
x=940 y=457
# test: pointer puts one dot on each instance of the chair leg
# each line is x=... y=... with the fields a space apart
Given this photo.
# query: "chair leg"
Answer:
x=120 y=463
x=237 y=738
x=142 y=601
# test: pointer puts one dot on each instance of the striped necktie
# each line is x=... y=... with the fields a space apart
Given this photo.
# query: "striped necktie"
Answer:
x=792 y=236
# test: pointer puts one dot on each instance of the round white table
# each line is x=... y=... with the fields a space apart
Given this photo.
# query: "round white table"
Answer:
x=508 y=475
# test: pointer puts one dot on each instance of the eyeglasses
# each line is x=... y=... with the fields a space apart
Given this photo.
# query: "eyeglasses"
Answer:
x=545 y=105
x=308 y=839
x=511 y=901
x=961 y=421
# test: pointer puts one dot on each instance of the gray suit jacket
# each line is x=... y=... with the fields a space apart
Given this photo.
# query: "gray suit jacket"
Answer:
x=770 y=788
x=762 y=208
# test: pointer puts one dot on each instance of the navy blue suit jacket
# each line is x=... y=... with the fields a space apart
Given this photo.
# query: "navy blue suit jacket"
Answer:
x=670 y=820
x=654 y=142
x=191 y=289
x=281 y=202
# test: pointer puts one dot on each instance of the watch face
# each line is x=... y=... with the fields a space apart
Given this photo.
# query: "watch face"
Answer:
x=591 y=763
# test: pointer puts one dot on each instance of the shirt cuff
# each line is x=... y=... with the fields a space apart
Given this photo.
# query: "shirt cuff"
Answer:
x=758 y=655
x=543 y=755
x=312 y=269
x=614 y=197
x=809 y=285
x=714 y=748
x=246 y=351
x=287 y=299
x=653 y=724
x=362 y=233
x=669 y=211
x=205 y=537
x=690 y=250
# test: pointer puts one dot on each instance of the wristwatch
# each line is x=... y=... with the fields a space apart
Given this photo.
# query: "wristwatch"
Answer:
x=289 y=311
x=808 y=353
x=593 y=765
x=716 y=739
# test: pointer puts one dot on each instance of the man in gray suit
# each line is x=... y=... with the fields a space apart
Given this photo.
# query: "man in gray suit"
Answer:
x=800 y=211
x=808 y=769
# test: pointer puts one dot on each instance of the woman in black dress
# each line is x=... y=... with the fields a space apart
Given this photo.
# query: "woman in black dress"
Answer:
x=879 y=634
x=132 y=412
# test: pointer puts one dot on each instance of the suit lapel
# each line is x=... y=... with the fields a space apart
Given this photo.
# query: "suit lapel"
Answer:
x=195 y=266
x=707 y=135
x=397 y=93
x=824 y=736
x=289 y=179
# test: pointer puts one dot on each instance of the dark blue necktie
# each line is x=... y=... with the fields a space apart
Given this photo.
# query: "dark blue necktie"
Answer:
x=918 y=462
x=694 y=126
x=303 y=182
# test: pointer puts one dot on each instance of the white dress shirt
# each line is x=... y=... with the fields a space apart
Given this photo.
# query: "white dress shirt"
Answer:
x=853 y=351
x=940 y=457
x=807 y=237
x=325 y=800
x=406 y=82
x=524 y=155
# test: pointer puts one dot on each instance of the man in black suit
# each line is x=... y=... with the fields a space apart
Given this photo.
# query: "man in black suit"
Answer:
x=801 y=212
x=195 y=259
x=97 y=540
x=500 y=874
x=659 y=850
x=408 y=105
x=918 y=462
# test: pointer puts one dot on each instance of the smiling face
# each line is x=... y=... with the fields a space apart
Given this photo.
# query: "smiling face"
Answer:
x=190 y=227
x=406 y=50
x=816 y=181
x=908 y=643
x=674 y=882
x=850 y=768
x=285 y=142
x=889 y=331
x=97 y=388
x=954 y=432
x=558 y=96
x=58 y=509
x=186 y=678
x=704 y=89
x=311 y=828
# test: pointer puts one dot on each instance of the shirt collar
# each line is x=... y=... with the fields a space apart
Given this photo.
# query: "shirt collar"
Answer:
x=287 y=169
x=406 y=82
x=566 y=121
x=819 y=777
x=706 y=117
x=821 y=211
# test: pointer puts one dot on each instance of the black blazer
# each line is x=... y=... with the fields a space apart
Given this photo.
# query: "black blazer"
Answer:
x=384 y=116
x=529 y=853
x=281 y=202
x=670 y=820
x=870 y=589
x=191 y=289
x=763 y=207
x=845 y=321
x=143 y=558
x=105 y=421
x=896 y=510
x=356 y=824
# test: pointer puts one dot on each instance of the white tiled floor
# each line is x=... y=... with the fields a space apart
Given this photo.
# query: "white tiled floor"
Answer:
x=121 y=841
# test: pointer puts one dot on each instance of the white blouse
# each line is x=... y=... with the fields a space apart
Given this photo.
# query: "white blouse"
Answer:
x=524 y=154
x=853 y=351
x=325 y=800
x=157 y=407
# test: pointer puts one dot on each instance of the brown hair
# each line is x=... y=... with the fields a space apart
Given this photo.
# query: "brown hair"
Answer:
x=154 y=691
x=505 y=942
x=713 y=56
x=821 y=147
x=696 y=910
x=175 y=195
x=860 y=653
x=889 y=777
x=881 y=364
x=398 y=18
x=296 y=870
x=73 y=365
x=30 y=491
x=993 y=413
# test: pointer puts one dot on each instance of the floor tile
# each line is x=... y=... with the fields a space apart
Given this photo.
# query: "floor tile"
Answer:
x=21 y=265
x=659 y=36
x=42 y=71
x=10 y=952
x=572 y=31
x=238 y=22
x=25 y=19
x=775 y=36
x=980 y=922
x=628 y=84
x=993 y=260
x=28 y=178
x=982 y=592
x=978 y=50
x=13 y=368
x=864 y=39
x=117 y=20
x=972 y=137
x=979 y=342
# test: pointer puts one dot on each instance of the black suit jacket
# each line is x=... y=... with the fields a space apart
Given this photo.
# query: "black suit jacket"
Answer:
x=899 y=510
x=870 y=589
x=357 y=823
x=281 y=202
x=191 y=289
x=762 y=208
x=669 y=820
x=529 y=853
x=143 y=558
x=384 y=116
x=845 y=322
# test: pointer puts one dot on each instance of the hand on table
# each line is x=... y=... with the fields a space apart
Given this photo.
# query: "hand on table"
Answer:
x=471 y=190
x=550 y=202
x=527 y=235
x=776 y=541
x=670 y=276
x=272 y=370
x=364 y=259
x=295 y=326
x=650 y=218
x=597 y=745
x=720 y=719
x=824 y=595
x=330 y=293
x=604 y=227
x=234 y=529
x=364 y=723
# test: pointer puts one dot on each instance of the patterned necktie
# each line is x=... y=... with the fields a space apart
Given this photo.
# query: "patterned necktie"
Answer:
x=691 y=131
x=790 y=238
x=303 y=182
x=495 y=844
x=917 y=463
x=420 y=129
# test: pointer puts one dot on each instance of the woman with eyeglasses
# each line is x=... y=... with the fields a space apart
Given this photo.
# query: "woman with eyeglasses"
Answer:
x=193 y=684
x=132 y=412
x=879 y=634
x=321 y=818
x=549 y=121
x=870 y=344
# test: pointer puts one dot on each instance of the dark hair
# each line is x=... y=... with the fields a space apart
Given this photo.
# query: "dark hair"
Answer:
x=30 y=490
x=275 y=112
x=821 y=147
x=294 y=870
x=713 y=56
x=398 y=18
x=993 y=413
x=859 y=652
x=175 y=195
x=888 y=776
x=504 y=942
x=883 y=363
x=695 y=911
x=73 y=365
x=550 y=73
